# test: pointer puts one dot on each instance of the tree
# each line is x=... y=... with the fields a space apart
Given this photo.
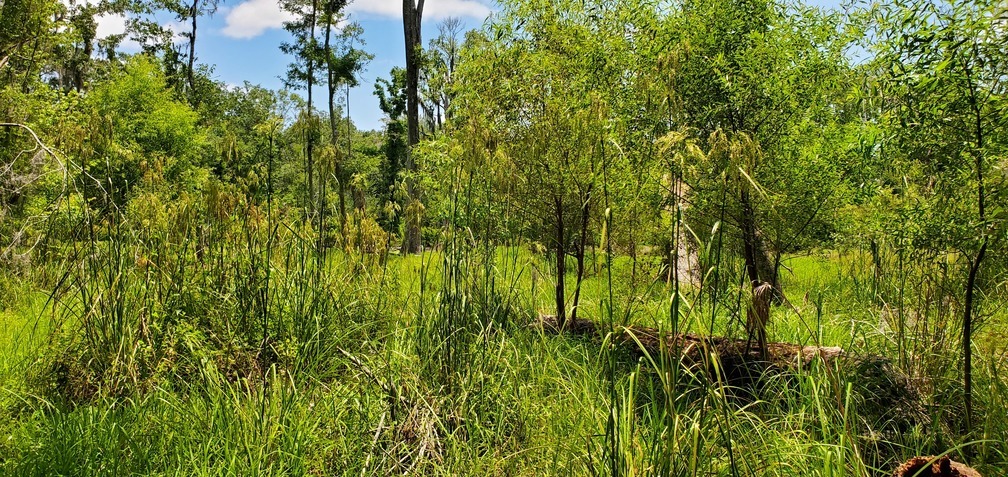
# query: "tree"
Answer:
x=75 y=53
x=140 y=135
x=554 y=79
x=28 y=32
x=234 y=124
x=343 y=62
x=437 y=72
x=190 y=11
x=412 y=19
x=301 y=73
x=391 y=95
x=946 y=66
x=741 y=84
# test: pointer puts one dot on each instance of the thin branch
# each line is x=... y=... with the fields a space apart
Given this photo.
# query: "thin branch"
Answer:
x=40 y=145
x=62 y=167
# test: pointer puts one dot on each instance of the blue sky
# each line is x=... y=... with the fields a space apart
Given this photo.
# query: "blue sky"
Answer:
x=241 y=41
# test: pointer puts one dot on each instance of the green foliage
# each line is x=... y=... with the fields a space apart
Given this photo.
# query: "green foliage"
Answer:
x=944 y=82
x=944 y=78
x=141 y=136
x=391 y=95
x=145 y=113
x=24 y=25
x=741 y=73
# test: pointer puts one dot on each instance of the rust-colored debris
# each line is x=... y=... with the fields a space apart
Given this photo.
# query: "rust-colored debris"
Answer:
x=931 y=466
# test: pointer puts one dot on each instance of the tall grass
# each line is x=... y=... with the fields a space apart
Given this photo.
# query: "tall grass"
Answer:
x=183 y=339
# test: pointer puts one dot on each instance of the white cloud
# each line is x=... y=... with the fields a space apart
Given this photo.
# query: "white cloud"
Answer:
x=110 y=24
x=433 y=9
x=115 y=24
x=251 y=18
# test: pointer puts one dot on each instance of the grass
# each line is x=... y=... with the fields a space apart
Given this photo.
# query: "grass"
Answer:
x=424 y=365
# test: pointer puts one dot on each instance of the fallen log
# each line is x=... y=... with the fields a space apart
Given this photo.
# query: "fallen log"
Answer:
x=885 y=394
x=887 y=402
x=695 y=348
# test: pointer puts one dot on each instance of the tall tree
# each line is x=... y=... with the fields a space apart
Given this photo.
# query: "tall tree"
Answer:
x=302 y=74
x=74 y=55
x=741 y=79
x=26 y=29
x=412 y=18
x=391 y=95
x=551 y=81
x=343 y=62
x=439 y=63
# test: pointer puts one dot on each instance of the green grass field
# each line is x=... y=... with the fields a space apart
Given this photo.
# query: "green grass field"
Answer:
x=423 y=365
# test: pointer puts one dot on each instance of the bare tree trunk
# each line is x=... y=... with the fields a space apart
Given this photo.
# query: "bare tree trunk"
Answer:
x=193 y=11
x=581 y=252
x=349 y=151
x=758 y=264
x=967 y=343
x=876 y=269
x=561 y=261
x=412 y=16
x=310 y=140
x=968 y=332
x=748 y=239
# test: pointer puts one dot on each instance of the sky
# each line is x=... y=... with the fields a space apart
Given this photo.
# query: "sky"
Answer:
x=241 y=41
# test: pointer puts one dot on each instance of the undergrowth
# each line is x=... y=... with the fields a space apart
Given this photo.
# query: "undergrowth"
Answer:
x=231 y=344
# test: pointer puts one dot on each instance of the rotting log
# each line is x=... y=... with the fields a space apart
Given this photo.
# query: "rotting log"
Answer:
x=887 y=401
x=695 y=348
